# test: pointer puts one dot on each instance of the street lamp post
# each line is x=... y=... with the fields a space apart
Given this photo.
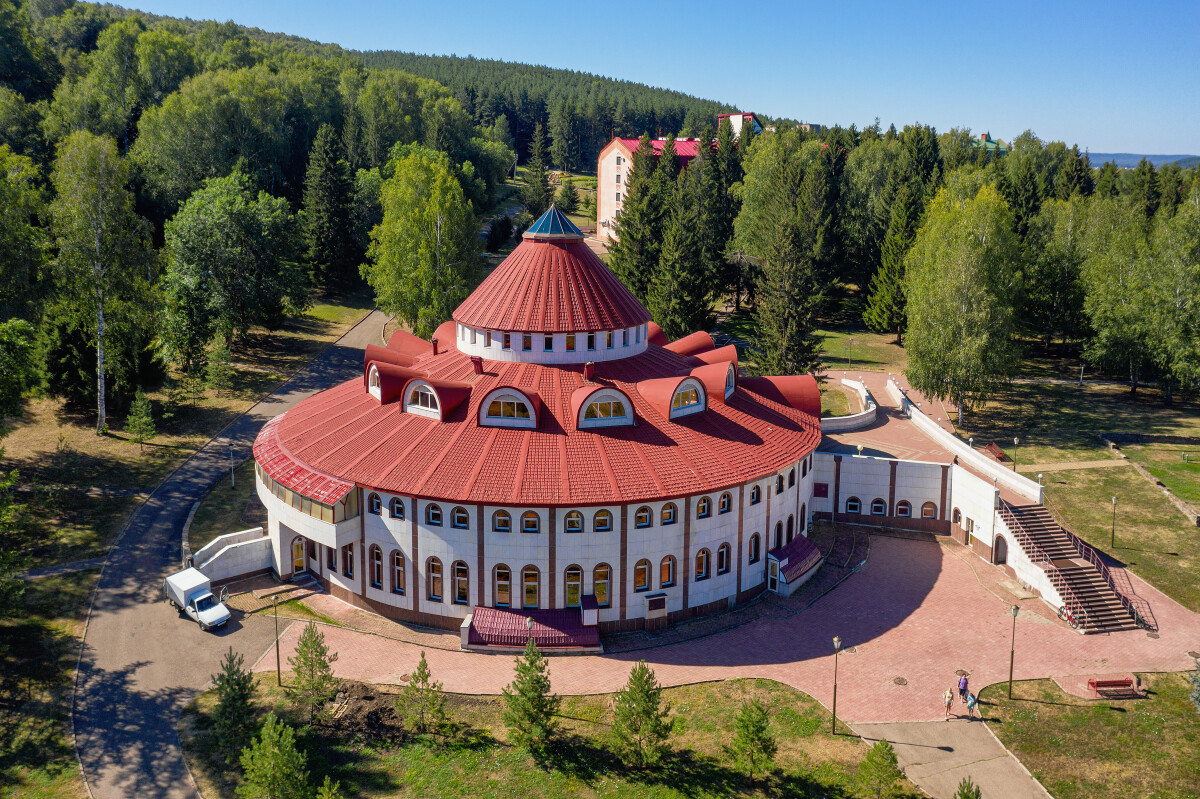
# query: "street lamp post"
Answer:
x=278 y=665
x=1016 y=443
x=1112 y=542
x=849 y=352
x=1012 y=649
x=837 y=645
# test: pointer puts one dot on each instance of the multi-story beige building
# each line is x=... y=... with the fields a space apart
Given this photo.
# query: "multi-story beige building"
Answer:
x=612 y=175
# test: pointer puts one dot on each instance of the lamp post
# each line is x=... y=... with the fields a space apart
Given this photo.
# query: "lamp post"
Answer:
x=1112 y=542
x=232 y=477
x=849 y=352
x=278 y=665
x=837 y=645
x=1016 y=443
x=1012 y=649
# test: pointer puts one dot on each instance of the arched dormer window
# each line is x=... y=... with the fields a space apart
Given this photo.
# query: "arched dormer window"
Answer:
x=422 y=400
x=606 y=408
x=506 y=407
x=730 y=381
x=373 y=382
x=688 y=398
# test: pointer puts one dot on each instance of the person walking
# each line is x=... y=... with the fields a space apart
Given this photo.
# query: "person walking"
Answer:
x=962 y=688
x=948 y=700
x=972 y=706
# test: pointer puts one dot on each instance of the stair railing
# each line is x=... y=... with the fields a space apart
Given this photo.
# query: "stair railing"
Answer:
x=1074 y=606
x=1139 y=608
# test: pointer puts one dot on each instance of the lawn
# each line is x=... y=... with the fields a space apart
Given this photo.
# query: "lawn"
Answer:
x=1166 y=462
x=835 y=401
x=1079 y=749
x=228 y=509
x=37 y=655
x=366 y=751
x=1153 y=539
x=874 y=352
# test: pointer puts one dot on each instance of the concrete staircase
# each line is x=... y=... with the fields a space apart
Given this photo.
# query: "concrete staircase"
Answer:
x=1093 y=602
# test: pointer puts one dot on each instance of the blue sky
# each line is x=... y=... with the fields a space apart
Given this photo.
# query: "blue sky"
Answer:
x=1112 y=77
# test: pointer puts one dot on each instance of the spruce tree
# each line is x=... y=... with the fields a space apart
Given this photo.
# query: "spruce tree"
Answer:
x=536 y=193
x=753 y=742
x=329 y=789
x=568 y=197
x=885 y=299
x=219 y=372
x=233 y=717
x=968 y=790
x=529 y=707
x=879 y=772
x=727 y=170
x=634 y=256
x=139 y=424
x=326 y=223
x=1143 y=189
x=678 y=297
x=313 y=684
x=1108 y=182
x=641 y=726
x=273 y=767
x=422 y=703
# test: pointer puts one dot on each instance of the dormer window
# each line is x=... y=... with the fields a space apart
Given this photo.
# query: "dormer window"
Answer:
x=373 y=382
x=730 y=382
x=606 y=408
x=423 y=401
x=688 y=398
x=507 y=408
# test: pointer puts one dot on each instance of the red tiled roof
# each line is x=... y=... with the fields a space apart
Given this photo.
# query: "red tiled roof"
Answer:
x=796 y=557
x=557 y=286
x=275 y=458
x=685 y=149
x=346 y=436
x=551 y=628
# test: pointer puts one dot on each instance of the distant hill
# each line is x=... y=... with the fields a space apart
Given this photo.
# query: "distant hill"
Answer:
x=1130 y=160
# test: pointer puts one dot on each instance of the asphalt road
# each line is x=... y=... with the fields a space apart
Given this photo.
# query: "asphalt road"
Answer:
x=142 y=662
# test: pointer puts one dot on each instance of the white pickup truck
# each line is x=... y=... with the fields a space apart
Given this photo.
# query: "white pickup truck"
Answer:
x=191 y=592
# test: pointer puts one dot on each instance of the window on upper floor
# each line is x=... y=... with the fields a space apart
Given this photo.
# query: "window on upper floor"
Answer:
x=723 y=557
x=507 y=408
x=433 y=515
x=548 y=344
x=730 y=382
x=643 y=518
x=573 y=522
x=618 y=196
x=507 y=345
x=570 y=342
x=725 y=504
x=779 y=484
x=527 y=341
x=618 y=178
x=602 y=522
x=755 y=548
x=501 y=522
x=530 y=522
x=422 y=400
x=374 y=504
x=591 y=341
x=668 y=513
x=666 y=572
x=608 y=340
x=487 y=338
x=641 y=576
x=688 y=398
x=625 y=338
x=460 y=519
x=755 y=495
x=792 y=477
x=704 y=508
x=472 y=335
x=397 y=508
x=703 y=564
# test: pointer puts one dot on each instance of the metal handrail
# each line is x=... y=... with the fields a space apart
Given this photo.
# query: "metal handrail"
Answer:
x=1139 y=608
x=1075 y=606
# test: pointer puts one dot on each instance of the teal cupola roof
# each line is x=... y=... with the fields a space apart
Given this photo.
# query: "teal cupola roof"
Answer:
x=553 y=225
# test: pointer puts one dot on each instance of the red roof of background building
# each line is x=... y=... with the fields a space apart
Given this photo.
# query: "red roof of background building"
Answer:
x=551 y=628
x=557 y=286
x=685 y=149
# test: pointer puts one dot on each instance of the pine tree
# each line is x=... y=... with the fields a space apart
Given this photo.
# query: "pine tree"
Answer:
x=968 y=790
x=139 y=424
x=529 y=707
x=273 y=767
x=219 y=373
x=885 y=299
x=326 y=223
x=634 y=256
x=329 y=790
x=568 y=197
x=1108 y=182
x=313 y=684
x=678 y=296
x=641 y=726
x=753 y=742
x=422 y=703
x=233 y=717
x=1143 y=189
x=536 y=193
x=879 y=772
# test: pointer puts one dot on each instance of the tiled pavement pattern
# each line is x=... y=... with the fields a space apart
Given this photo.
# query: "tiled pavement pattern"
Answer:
x=918 y=610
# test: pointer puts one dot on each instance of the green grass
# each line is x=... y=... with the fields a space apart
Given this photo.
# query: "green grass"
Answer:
x=371 y=757
x=37 y=663
x=1108 y=749
x=834 y=401
x=1165 y=462
x=1153 y=538
x=869 y=351
x=227 y=509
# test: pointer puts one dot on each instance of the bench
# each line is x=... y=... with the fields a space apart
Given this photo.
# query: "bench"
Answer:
x=995 y=452
x=1113 y=688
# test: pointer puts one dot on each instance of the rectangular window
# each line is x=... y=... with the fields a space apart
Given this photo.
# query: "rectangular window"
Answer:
x=618 y=178
x=618 y=196
x=600 y=591
x=618 y=160
x=348 y=560
x=591 y=341
x=641 y=577
x=570 y=342
x=527 y=342
x=549 y=344
x=487 y=339
x=625 y=338
x=503 y=589
x=609 y=339
x=472 y=335
x=331 y=558
x=507 y=341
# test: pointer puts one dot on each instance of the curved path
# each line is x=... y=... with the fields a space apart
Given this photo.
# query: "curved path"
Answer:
x=140 y=663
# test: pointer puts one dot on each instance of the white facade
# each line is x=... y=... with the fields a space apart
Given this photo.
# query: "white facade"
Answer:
x=612 y=174
x=553 y=348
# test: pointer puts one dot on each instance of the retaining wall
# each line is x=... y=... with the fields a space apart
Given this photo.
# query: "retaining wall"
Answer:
x=235 y=555
x=855 y=421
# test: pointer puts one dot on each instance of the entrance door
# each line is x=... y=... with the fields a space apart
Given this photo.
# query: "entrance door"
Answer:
x=1000 y=553
x=773 y=575
x=299 y=561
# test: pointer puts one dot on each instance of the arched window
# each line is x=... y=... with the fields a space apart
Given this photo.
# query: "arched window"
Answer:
x=501 y=522
x=725 y=503
x=779 y=484
x=904 y=508
x=503 y=586
x=688 y=398
x=373 y=379
x=573 y=586
x=433 y=515
x=375 y=555
x=422 y=400
x=803 y=516
x=666 y=572
x=778 y=535
x=605 y=407
x=397 y=506
x=804 y=468
x=397 y=572
x=929 y=511
x=853 y=505
x=601 y=579
x=730 y=381
x=723 y=558
x=791 y=477
x=530 y=522
x=791 y=529
x=530 y=586
x=668 y=513
x=641 y=575
x=602 y=522
x=957 y=516
x=434 y=580
x=755 y=548
x=573 y=522
x=703 y=564
x=704 y=508
x=459 y=518
x=878 y=507
x=755 y=495
x=462 y=583
x=642 y=518
x=506 y=407
x=374 y=504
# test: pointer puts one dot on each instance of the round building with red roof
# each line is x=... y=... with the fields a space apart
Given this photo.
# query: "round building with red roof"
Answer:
x=549 y=454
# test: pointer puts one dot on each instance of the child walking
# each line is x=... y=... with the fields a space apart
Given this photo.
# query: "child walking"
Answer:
x=972 y=707
x=948 y=700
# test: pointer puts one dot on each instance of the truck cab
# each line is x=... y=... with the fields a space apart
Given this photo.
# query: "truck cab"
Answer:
x=191 y=592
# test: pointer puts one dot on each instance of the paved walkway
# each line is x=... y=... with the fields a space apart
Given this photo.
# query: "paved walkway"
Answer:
x=62 y=568
x=140 y=663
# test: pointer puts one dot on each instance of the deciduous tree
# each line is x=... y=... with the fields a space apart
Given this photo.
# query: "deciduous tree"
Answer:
x=22 y=240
